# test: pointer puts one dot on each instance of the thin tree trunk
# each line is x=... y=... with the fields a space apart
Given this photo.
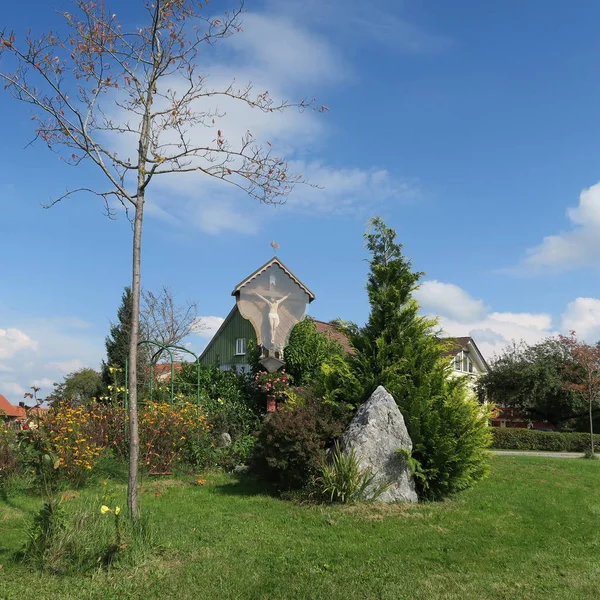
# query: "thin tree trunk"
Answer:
x=591 y=426
x=134 y=441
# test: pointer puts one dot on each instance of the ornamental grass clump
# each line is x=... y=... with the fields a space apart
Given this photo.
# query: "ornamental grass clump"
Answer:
x=343 y=480
x=72 y=535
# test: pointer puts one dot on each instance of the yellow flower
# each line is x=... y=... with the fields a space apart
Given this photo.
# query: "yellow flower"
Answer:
x=117 y=510
x=104 y=509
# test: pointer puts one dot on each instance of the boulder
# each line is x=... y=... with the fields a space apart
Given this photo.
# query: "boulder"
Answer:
x=375 y=434
x=223 y=440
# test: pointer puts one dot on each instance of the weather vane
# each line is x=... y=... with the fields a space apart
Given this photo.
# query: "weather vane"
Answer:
x=274 y=245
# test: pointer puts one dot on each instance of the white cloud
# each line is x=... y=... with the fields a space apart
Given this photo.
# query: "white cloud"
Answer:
x=450 y=300
x=13 y=341
x=288 y=58
x=12 y=391
x=42 y=351
x=289 y=52
x=67 y=366
x=462 y=315
x=583 y=316
x=206 y=327
x=43 y=383
x=380 y=24
x=579 y=246
x=346 y=190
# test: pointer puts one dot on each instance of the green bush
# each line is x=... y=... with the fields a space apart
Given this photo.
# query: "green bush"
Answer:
x=8 y=454
x=229 y=457
x=450 y=438
x=290 y=445
x=548 y=441
x=307 y=350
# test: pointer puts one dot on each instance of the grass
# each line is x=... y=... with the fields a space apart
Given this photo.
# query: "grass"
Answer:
x=529 y=531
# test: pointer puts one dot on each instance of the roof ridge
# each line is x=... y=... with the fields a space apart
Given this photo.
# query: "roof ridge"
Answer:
x=260 y=270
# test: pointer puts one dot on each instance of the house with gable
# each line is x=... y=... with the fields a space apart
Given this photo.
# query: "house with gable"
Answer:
x=228 y=347
x=268 y=303
x=467 y=359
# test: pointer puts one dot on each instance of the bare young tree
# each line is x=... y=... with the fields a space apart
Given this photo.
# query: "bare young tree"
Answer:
x=75 y=77
x=163 y=320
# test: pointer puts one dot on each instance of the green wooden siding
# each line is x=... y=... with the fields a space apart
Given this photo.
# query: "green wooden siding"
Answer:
x=221 y=349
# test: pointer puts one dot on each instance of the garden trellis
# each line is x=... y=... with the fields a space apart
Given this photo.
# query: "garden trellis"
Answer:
x=171 y=350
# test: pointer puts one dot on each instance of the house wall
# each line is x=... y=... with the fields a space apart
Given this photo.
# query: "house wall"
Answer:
x=221 y=350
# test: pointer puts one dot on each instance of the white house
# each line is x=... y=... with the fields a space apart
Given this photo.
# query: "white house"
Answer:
x=467 y=360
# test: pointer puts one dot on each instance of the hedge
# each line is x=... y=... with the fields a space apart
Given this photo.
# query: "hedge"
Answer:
x=552 y=441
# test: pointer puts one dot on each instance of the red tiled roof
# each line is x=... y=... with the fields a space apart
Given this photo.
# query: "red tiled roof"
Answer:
x=335 y=334
x=162 y=368
x=162 y=371
x=10 y=410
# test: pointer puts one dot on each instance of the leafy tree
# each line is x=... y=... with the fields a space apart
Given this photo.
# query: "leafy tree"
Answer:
x=533 y=379
x=307 y=350
x=583 y=371
x=150 y=71
x=401 y=350
x=79 y=386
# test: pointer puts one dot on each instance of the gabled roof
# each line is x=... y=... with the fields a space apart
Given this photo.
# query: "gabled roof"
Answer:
x=214 y=338
x=467 y=343
x=10 y=410
x=273 y=261
x=335 y=334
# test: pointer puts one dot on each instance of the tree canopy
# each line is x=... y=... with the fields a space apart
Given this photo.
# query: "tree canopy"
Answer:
x=79 y=386
x=532 y=378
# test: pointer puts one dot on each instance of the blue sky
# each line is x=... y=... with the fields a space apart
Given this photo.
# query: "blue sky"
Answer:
x=471 y=127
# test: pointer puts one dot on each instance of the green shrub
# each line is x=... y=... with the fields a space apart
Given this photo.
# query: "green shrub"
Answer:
x=290 y=445
x=548 y=441
x=229 y=457
x=230 y=416
x=450 y=438
x=8 y=454
x=307 y=350
x=342 y=479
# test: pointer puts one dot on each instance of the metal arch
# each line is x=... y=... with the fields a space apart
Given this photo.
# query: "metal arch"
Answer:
x=169 y=348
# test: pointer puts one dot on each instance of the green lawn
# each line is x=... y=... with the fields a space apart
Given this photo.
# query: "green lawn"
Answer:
x=532 y=530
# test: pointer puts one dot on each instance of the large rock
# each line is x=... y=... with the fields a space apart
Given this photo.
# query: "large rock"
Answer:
x=376 y=433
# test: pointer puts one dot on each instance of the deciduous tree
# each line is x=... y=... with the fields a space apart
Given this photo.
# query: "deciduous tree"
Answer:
x=583 y=369
x=165 y=321
x=150 y=71
x=79 y=386
x=532 y=379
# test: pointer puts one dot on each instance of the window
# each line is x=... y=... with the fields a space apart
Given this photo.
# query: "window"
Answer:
x=240 y=346
x=458 y=362
x=463 y=363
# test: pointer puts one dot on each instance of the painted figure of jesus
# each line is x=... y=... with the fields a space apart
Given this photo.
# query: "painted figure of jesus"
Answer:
x=273 y=313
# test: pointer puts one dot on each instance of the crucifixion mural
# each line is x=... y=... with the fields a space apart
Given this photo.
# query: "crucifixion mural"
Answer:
x=273 y=299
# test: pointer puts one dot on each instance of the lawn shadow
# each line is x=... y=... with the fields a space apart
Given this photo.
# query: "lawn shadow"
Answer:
x=245 y=485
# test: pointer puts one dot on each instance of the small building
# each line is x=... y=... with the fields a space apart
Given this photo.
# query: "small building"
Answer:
x=9 y=412
x=269 y=302
x=20 y=415
x=467 y=360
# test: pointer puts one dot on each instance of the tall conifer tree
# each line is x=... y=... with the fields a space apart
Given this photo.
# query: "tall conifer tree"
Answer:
x=403 y=351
